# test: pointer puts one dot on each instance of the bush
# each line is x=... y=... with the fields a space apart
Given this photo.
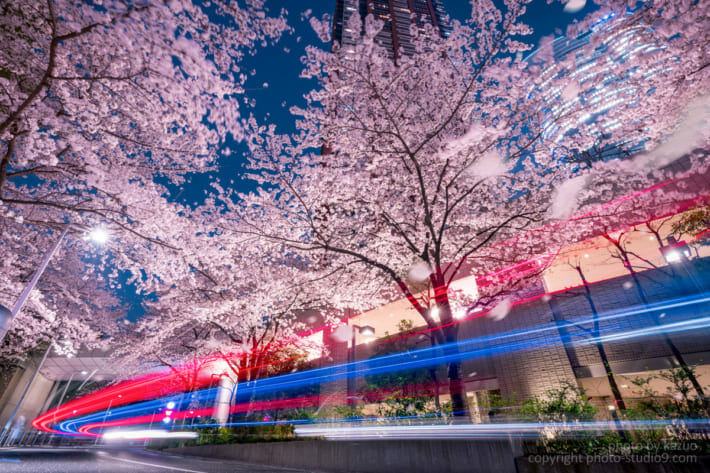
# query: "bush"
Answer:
x=243 y=434
x=565 y=404
x=677 y=403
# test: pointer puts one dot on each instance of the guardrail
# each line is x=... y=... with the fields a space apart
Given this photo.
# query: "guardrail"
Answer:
x=37 y=438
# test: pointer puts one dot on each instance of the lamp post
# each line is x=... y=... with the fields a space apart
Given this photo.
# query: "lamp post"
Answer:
x=678 y=252
x=106 y=414
x=675 y=251
x=367 y=331
x=6 y=316
x=5 y=319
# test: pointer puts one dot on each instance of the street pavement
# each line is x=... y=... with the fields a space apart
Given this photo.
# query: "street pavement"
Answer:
x=133 y=460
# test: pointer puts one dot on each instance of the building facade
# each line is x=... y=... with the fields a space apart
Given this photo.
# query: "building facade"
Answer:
x=398 y=17
x=597 y=93
x=553 y=340
x=37 y=384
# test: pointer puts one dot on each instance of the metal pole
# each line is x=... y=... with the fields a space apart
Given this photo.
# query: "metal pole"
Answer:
x=87 y=380
x=104 y=421
x=66 y=388
x=5 y=324
x=27 y=389
x=61 y=398
x=150 y=427
x=351 y=371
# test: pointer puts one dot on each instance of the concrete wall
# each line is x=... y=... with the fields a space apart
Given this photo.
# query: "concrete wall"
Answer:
x=523 y=373
x=699 y=464
x=424 y=456
x=14 y=388
x=374 y=456
x=620 y=293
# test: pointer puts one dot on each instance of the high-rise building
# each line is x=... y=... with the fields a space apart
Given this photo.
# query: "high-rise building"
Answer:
x=598 y=93
x=397 y=16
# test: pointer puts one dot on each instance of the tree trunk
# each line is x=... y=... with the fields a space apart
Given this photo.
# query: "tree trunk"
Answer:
x=254 y=370
x=457 y=389
x=437 y=400
x=450 y=330
x=618 y=399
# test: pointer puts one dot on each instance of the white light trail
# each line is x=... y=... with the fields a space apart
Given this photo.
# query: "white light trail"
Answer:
x=147 y=434
x=350 y=432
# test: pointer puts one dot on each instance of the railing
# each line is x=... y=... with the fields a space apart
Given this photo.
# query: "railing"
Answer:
x=36 y=438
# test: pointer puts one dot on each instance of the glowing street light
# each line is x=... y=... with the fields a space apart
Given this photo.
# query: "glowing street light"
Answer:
x=98 y=235
x=678 y=253
x=366 y=331
x=434 y=312
x=675 y=251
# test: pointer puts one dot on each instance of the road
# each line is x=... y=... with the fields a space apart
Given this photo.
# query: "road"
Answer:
x=129 y=460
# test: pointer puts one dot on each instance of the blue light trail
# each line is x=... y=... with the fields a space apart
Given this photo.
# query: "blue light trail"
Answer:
x=617 y=327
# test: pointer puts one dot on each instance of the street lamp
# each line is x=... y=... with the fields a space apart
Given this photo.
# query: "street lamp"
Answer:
x=106 y=414
x=5 y=319
x=366 y=331
x=678 y=252
x=675 y=251
x=98 y=235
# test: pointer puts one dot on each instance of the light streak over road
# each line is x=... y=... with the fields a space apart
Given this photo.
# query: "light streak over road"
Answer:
x=520 y=429
x=617 y=327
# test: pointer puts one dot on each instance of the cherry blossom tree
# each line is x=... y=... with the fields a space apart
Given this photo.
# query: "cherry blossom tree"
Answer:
x=240 y=308
x=73 y=308
x=106 y=109
x=439 y=166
